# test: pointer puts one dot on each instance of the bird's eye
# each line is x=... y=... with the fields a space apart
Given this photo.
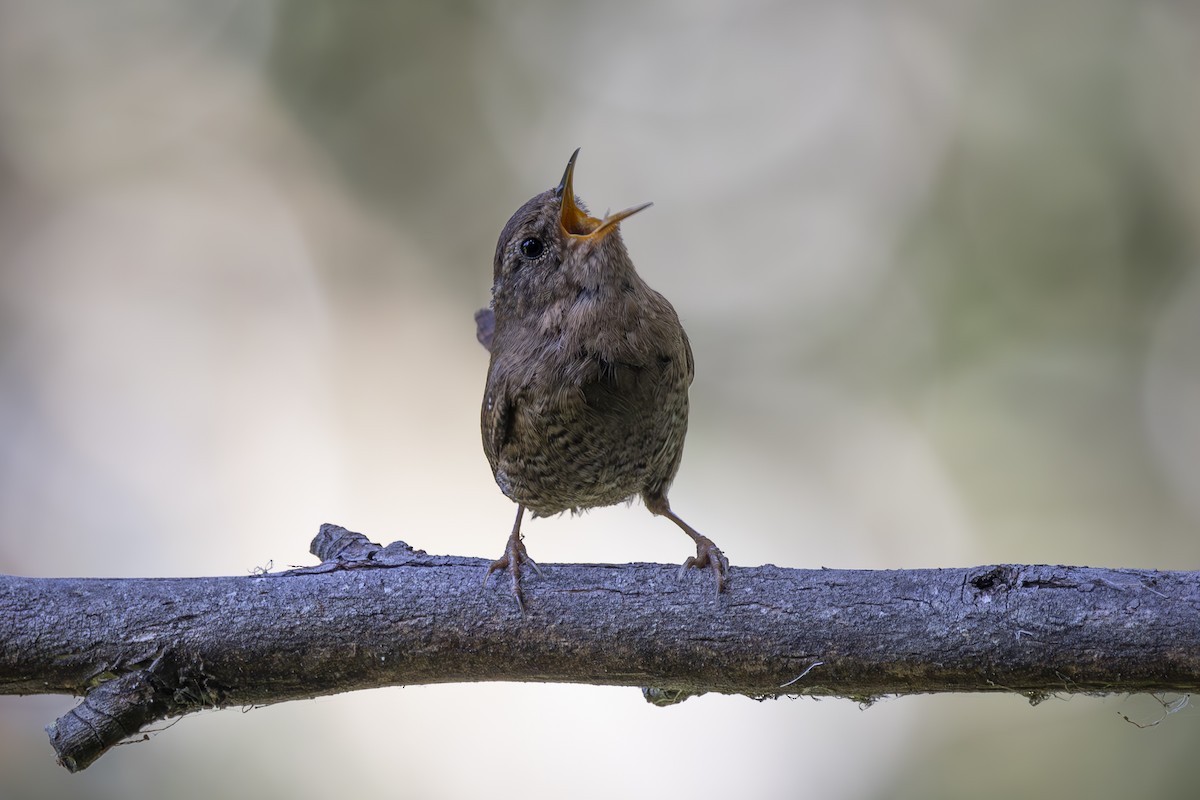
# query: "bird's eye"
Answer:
x=532 y=248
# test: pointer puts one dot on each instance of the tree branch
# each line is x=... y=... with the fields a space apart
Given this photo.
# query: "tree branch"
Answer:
x=141 y=650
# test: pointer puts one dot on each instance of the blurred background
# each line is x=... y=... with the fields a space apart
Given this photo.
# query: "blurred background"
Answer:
x=937 y=260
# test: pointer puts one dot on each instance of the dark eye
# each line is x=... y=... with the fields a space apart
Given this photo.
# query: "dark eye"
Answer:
x=532 y=248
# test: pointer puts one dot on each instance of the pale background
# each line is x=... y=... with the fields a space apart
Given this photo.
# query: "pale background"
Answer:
x=938 y=262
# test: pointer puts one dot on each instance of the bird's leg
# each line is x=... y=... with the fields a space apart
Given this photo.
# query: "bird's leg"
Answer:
x=707 y=553
x=514 y=556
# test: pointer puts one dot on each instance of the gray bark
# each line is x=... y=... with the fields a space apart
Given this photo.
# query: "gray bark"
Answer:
x=141 y=650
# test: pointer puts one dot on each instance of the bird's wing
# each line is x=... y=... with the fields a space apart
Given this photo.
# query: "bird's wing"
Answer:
x=496 y=420
x=687 y=349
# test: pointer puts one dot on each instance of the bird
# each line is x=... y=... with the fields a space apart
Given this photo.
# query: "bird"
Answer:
x=586 y=400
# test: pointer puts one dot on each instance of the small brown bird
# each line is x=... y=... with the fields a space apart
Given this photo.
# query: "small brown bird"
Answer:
x=586 y=402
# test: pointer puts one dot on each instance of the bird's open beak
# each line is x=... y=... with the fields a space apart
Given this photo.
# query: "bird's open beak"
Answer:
x=574 y=221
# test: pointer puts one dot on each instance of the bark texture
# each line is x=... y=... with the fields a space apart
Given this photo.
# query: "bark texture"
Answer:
x=141 y=650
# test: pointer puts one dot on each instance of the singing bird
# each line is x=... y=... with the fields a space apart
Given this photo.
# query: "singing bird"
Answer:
x=586 y=403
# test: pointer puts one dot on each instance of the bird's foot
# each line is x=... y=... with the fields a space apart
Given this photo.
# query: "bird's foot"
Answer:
x=709 y=556
x=514 y=557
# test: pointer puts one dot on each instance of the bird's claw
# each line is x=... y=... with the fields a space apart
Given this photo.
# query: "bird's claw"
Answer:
x=514 y=557
x=710 y=556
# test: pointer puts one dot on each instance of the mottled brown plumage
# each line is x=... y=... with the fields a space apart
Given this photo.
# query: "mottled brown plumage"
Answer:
x=586 y=402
